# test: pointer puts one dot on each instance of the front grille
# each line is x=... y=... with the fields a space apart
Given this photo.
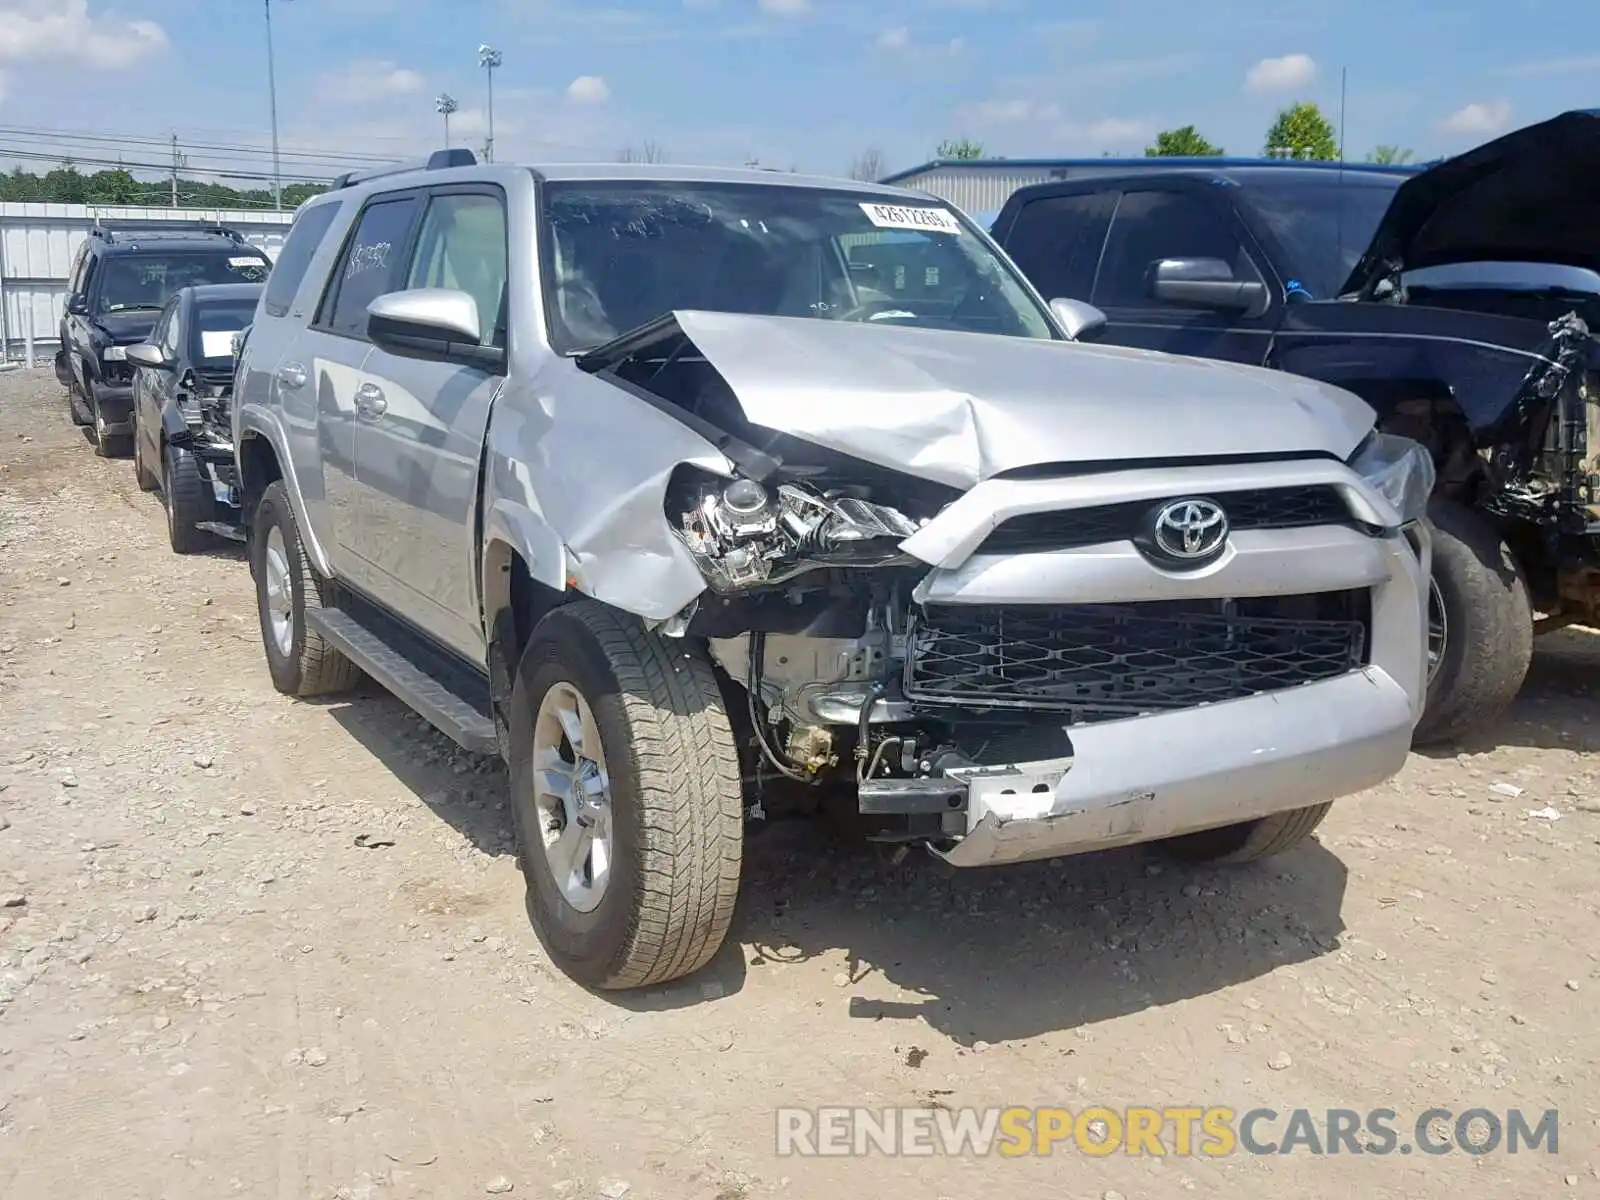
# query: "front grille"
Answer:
x=1097 y=662
x=1261 y=508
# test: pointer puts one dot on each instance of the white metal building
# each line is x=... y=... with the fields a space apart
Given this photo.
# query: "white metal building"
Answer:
x=37 y=242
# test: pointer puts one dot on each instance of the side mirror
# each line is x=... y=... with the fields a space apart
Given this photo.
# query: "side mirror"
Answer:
x=77 y=306
x=148 y=355
x=1204 y=283
x=1083 y=322
x=439 y=323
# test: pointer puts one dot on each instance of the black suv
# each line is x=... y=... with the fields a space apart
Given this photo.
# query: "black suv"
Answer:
x=122 y=277
x=1457 y=301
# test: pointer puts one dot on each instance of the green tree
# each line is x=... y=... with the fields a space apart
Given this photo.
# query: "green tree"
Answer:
x=1389 y=156
x=963 y=148
x=113 y=187
x=66 y=185
x=1301 y=131
x=1183 y=142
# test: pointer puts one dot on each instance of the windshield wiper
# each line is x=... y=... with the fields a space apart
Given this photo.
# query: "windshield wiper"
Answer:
x=111 y=308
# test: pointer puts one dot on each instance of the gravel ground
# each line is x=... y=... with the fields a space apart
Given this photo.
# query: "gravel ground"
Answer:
x=264 y=948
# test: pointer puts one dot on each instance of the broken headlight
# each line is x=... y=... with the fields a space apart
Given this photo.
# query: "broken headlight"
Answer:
x=1400 y=469
x=744 y=534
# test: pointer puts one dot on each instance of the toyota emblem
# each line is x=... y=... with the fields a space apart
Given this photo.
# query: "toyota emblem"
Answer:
x=1189 y=531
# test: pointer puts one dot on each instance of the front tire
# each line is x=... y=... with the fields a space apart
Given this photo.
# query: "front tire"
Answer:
x=626 y=792
x=1248 y=841
x=188 y=500
x=106 y=445
x=1481 y=648
x=301 y=662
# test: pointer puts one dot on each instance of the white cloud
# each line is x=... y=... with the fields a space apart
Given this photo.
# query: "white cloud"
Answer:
x=588 y=89
x=64 y=30
x=1478 y=119
x=897 y=38
x=1012 y=112
x=368 y=81
x=1281 y=74
x=1112 y=131
x=785 y=8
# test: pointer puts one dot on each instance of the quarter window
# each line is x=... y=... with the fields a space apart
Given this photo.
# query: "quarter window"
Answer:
x=370 y=264
x=299 y=248
x=1150 y=226
x=462 y=246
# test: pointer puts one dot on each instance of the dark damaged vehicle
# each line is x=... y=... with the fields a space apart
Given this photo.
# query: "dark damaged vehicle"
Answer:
x=641 y=478
x=1460 y=301
x=182 y=411
x=122 y=277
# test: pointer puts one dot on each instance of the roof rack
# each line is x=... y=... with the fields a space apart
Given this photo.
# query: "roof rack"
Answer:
x=439 y=160
x=119 y=230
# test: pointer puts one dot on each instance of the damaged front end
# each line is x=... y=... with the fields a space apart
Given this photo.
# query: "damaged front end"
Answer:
x=199 y=422
x=931 y=651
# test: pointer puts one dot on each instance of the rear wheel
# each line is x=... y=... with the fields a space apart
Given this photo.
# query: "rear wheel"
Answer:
x=287 y=587
x=1480 y=626
x=627 y=797
x=1247 y=841
x=188 y=501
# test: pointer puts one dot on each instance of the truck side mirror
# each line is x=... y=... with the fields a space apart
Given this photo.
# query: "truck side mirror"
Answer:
x=1204 y=283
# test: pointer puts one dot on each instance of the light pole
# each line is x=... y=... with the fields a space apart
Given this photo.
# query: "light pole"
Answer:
x=272 y=101
x=444 y=106
x=489 y=58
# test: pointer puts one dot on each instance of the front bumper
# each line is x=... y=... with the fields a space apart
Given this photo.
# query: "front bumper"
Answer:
x=1156 y=776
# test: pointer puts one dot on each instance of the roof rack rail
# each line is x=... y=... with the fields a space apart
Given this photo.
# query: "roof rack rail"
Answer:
x=115 y=230
x=439 y=160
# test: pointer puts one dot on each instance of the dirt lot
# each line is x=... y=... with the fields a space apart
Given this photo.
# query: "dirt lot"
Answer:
x=263 y=948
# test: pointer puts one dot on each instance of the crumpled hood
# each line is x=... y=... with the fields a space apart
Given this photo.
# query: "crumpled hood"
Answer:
x=957 y=408
x=1530 y=196
x=130 y=327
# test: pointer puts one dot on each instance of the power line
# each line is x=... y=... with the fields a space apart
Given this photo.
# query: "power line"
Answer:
x=335 y=156
x=161 y=168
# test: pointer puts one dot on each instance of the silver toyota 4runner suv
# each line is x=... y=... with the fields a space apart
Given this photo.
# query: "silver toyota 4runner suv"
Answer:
x=701 y=495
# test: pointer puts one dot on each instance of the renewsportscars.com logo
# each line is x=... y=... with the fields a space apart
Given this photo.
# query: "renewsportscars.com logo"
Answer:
x=1205 y=1131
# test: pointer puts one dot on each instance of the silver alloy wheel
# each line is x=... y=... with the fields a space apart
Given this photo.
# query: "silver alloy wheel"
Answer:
x=572 y=796
x=280 y=592
x=1438 y=629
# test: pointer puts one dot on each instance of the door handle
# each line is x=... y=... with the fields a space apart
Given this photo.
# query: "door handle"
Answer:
x=292 y=375
x=370 y=400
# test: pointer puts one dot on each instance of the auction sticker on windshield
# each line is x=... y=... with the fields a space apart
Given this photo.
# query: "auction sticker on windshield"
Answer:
x=899 y=216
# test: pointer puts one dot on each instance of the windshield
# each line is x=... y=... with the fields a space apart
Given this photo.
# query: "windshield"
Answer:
x=1323 y=227
x=131 y=282
x=213 y=326
x=621 y=253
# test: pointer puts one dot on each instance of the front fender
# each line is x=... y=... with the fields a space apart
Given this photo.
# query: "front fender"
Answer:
x=254 y=421
x=174 y=426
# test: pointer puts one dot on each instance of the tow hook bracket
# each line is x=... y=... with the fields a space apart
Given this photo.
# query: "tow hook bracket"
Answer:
x=891 y=797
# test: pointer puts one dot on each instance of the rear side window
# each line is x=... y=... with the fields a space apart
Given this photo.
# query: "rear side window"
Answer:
x=298 y=250
x=369 y=265
x=1057 y=242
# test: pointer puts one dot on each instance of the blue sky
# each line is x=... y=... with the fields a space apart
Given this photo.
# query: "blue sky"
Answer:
x=807 y=83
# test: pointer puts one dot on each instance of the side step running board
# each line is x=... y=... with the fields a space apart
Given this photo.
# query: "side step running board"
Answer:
x=452 y=714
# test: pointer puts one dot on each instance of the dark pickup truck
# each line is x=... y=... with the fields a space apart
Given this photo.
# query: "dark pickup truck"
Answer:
x=1458 y=301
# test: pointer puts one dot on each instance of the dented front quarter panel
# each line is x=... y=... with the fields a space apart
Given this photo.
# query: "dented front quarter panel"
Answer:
x=576 y=475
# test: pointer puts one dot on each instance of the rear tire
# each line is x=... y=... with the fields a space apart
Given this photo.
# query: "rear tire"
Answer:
x=287 y=587
x=188 y=500
x=1487 y=628
x=671 y=810
x=1248 y=841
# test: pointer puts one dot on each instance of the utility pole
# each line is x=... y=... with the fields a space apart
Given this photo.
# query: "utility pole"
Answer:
x=175 y=161
x=490 y=59
x=272 y=100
